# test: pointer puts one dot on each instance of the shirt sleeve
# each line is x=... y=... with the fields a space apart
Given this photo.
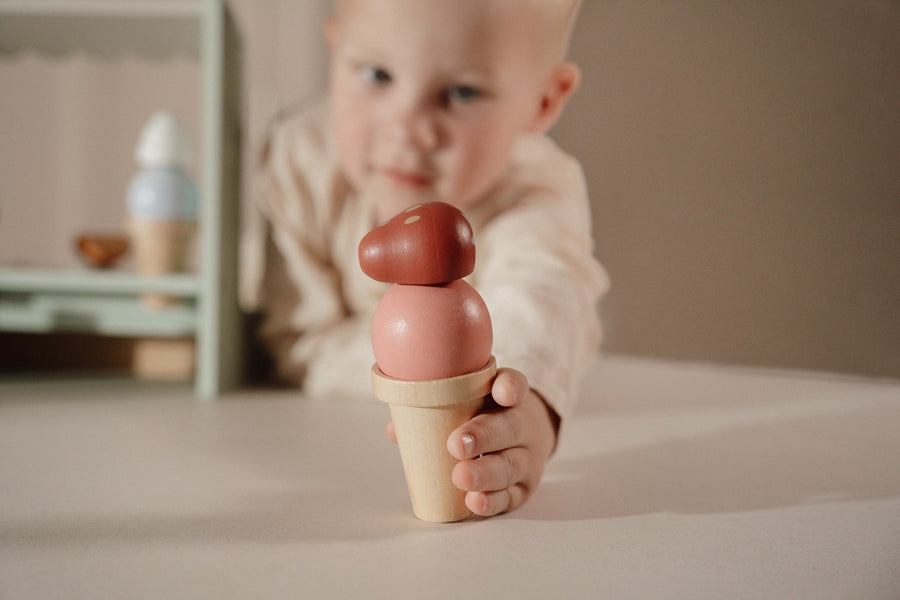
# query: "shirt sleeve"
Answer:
x=538 y=276
x=315 y=340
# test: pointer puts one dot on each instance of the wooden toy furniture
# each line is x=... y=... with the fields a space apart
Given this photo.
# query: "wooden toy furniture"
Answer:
x=107 y=303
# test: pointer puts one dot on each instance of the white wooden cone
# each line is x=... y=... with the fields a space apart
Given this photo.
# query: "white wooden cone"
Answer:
x=160 y=246
x=424 y=415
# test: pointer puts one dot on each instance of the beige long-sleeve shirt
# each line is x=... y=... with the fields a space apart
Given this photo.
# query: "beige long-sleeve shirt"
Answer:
x=534 y=266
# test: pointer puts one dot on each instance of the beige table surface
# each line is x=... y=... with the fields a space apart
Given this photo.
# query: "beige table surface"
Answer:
x=672 y=481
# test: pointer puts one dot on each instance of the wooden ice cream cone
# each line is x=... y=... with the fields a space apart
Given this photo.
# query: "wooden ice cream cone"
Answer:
x=160 y=247
x=424 y=415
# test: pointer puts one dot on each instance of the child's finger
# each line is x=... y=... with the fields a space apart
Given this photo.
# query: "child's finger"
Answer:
x=488 y=432
x=488 y=504
x=389 y=431
x=509 y=387
x=494 y=472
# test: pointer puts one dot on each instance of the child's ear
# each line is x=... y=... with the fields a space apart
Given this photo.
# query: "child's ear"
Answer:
x=559 y=87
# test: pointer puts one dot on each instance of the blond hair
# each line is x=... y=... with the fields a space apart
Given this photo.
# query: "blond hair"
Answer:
x=559 y=17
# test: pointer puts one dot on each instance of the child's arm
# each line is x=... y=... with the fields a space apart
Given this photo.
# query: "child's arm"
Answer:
x=541 y=283
x=537 y=273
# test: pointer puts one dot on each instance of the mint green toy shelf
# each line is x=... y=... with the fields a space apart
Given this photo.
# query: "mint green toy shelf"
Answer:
x=108 y=302
x=46 y=301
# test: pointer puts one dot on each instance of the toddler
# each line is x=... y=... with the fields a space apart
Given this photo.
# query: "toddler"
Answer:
x=439 y=100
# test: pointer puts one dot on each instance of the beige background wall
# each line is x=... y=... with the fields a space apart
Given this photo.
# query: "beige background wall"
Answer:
x=742 y=159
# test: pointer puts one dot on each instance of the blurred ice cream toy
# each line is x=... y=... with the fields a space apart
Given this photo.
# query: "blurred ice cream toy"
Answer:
x=162 y=201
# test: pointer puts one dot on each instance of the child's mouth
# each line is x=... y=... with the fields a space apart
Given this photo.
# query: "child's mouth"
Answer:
x=409 y=179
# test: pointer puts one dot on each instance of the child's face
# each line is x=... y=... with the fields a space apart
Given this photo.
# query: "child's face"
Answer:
x=429 y=97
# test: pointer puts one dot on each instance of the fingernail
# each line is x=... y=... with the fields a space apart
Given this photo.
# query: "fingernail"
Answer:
x=468 y=441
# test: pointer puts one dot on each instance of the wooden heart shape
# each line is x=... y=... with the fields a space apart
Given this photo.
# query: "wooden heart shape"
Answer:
x=426 y=244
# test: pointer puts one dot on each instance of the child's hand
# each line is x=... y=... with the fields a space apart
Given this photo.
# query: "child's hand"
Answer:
x=503 y=449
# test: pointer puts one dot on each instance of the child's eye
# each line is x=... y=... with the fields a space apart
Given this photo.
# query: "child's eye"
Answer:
x=375 y=74
x=462 y=93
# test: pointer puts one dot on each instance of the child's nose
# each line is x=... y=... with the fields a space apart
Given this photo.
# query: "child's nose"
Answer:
x=415 y=126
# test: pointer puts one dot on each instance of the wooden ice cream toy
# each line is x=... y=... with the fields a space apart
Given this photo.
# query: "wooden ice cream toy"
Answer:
x=162 y=202
x=432 y=337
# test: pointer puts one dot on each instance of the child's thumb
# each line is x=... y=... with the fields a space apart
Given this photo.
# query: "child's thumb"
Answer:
x=509 y=388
